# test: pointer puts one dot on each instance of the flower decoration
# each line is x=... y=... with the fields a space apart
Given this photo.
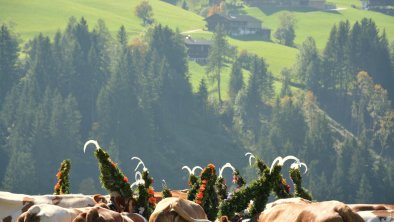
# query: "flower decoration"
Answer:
x=299 y=191
x=166 y=191
x=63 y=184
x=237 y=179
x=146 y=195
x=207 y=196
x=193 y=187
x=111 y=177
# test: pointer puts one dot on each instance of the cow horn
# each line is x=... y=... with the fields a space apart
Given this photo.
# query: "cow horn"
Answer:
x=250 y=157
x=195 y=168
x=298 y=165
x=137 y=180
x=227 y=165
x=139 y=163
x=278 y=160
x=188 y=170
x=289 y=158
x=91 y=142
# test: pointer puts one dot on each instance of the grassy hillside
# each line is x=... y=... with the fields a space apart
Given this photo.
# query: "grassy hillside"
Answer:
x=318 y=23
x=47 y=16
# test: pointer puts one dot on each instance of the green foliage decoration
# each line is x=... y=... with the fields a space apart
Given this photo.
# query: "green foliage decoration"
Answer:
x=299 y=191
x=63 y=184
x=194 y=186
x=166 y=191
x=257 y=191
x=207 y=196
x=111 y=177
x=238 y=179
x=221 y=188
x=145 y=201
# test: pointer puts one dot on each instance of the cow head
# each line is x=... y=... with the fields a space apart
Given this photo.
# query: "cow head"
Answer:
x=122 y=204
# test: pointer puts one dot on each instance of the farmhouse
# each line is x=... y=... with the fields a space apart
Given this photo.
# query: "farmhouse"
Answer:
x=238 y=25
x=197 y=50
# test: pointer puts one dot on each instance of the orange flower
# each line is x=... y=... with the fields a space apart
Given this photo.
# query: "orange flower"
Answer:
x=57 y=186
x=198 y=202
x=114 y=165
x=211 y=166
x=125 y=179
x=202 y=188
x=204 y=181
x=200 y=195
x=151 y=191
x=152 y=200
x=59 y=174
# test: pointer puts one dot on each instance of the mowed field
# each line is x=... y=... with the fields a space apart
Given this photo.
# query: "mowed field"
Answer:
x=29 y=18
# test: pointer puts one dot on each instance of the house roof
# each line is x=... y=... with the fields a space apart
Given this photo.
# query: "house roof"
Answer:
x=190 y=41
x=242 y=18
x=237 y=18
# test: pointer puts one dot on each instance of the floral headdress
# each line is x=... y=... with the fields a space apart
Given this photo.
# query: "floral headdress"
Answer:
x=145 y=201
x=295 y=176
x=63 y=184
x=111 y=177
x=207 y=196
x=166 y=191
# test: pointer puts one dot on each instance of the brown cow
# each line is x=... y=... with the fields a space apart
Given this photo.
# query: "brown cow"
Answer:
x=50 y=213
x=174 y=209
x=175 y=193
x=374 y=212
x=102 y=214
x=12 y=205
x=328 y=211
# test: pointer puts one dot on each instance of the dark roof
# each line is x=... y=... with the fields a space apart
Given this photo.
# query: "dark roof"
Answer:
x=190 y=41
x=240 y=18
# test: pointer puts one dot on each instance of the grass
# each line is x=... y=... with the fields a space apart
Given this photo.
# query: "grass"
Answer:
x=318 y=24
x=48 y=16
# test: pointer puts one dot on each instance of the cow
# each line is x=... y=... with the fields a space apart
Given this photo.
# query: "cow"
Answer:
x=374 y=212
x=50 y=213
x=12 y=205
x=174 y=209
x=175 y=193
x=103 y=214
x=327 y=211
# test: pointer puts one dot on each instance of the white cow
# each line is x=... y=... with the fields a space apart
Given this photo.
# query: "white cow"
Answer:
x=12 y=205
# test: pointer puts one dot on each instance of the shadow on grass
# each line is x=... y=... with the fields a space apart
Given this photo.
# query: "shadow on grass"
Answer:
x=269 y=9
x=254 y=37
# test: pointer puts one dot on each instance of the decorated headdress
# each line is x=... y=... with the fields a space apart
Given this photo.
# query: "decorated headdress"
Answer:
x=111 y=177
x=166 y=191
x=63 y=184
x=207 y=196
x=296 y=177
x=194 y=186
x=146 y=201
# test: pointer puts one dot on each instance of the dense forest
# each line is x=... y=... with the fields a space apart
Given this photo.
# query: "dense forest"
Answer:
x=333 y=110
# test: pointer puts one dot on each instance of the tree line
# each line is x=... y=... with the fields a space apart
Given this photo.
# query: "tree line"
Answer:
x=137 y=100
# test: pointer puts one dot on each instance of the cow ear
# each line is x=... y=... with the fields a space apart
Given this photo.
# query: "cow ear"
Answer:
x=98 y=198
x=224 y=219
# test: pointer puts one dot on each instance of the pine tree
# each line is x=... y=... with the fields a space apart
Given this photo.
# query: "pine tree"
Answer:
x=286 y=76
x=236 y=80
x=9 y=52
x=364 y=193
x=216 y=58
x=308 y=65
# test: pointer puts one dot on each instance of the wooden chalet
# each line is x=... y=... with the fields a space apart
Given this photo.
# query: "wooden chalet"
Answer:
x=197 y=50
x=238 y=25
